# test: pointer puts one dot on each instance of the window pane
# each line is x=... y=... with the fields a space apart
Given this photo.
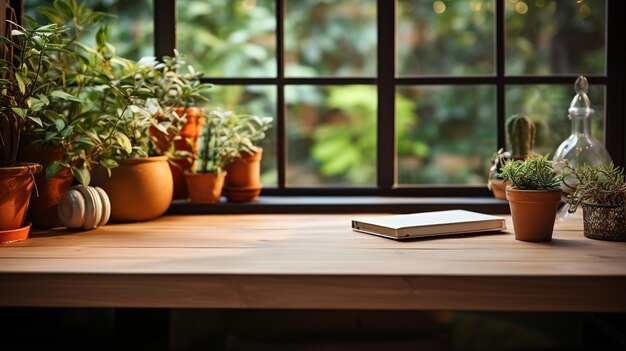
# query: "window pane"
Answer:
x=226 y=38
x=555 y=37
x=547 y=106
x=445 y=134
x=445 y=37
x=326 y=38
x=331 y=135
x=130 y=31
x=255 y=100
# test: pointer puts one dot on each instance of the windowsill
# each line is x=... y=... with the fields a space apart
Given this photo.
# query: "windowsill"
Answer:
x=343 y=204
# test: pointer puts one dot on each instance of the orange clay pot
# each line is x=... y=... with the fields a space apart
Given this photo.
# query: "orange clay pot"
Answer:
x=205 y=188
x=139 y=188
x=16 y=185
x=189 y=142
x=42 y=211
x=533 y=212
x=243 y=181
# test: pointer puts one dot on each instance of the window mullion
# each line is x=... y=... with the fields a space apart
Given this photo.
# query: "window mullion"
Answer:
x=386 y=61
x=500 y=35
x=164 y=27
x=280 y=94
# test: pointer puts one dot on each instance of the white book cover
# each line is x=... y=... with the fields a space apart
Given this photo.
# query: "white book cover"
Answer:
x=429 y=224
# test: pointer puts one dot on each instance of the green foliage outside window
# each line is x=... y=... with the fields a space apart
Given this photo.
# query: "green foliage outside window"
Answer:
x=445 y=137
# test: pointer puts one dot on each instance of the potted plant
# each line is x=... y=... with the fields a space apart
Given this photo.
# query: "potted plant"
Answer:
x=243 y=179
x=600 y=191
x=218 y=146
x=179 y=90
x=61 y=142
x=521 y=137
x=25 y=53
x=132 y=169
x=534 y=193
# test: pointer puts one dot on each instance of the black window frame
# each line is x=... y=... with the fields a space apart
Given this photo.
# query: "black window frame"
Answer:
x=386 y=82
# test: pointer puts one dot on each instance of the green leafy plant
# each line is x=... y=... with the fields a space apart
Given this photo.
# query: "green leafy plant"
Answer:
x=177 y=86
x=248 y=129
x=219 y=143
x=28 y=53
x=66 y=124
x=533 y=173
x=603 y=185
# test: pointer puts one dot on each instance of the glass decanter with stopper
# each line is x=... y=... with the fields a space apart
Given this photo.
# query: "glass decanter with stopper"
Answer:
x=580 y=147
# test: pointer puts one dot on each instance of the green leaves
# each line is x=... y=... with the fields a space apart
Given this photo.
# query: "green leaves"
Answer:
x=64 y=96
x=81 y=174
x=603 y=185
x=533 y=173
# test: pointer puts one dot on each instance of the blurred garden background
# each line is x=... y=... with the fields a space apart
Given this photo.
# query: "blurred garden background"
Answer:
x=445 y=134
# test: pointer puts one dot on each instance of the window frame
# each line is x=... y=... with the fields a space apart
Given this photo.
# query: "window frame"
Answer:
x=386 y=82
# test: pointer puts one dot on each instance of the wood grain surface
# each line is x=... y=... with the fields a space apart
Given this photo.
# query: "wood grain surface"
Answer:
x=308 y=261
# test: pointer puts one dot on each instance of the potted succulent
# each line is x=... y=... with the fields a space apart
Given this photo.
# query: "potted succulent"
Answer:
x=25 y=53
x=534 y=193
x=243 y=179
x=521 y=137
x=600 y=191
x=218 y=146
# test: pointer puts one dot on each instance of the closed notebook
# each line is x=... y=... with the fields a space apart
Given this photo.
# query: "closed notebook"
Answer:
x=425 y=224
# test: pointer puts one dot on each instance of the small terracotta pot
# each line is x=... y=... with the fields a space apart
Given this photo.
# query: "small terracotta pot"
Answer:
x=16 y=185
x=205 y=188
x=498 y=187
x=189 y=142
x=243 y=181
x=533 y=212
x=42 y=211
x=139 y=188
x=14 y=235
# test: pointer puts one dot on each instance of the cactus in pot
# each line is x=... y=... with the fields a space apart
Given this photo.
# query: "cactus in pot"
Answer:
x=521 y=139
x=521 y=133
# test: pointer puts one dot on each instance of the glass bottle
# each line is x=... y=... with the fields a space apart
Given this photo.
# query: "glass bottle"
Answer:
x=580 y=147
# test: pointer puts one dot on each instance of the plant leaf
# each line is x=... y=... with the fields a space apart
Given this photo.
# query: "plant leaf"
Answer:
x=60 y=124
x=64 y=96
x=81 y=174
x=52 y=170
x=108 y=163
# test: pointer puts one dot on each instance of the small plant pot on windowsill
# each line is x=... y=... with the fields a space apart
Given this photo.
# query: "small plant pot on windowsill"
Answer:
x=533 y=213
x=243 y=181
x=139 y=188
x=205 y=188
x=604 y=222
x=16 y=186
x=497 y=187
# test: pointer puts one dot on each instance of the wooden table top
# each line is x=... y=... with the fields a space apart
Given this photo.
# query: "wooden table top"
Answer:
x=308 y=261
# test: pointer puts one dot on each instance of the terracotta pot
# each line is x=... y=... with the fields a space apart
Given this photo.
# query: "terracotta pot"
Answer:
x=139 y=188
x=16 y=185
x=205 y=188
x=243 y=180
x=14 y=235
x=498 y=187
x=533 y=212
x=190 y=133
x=42 y=211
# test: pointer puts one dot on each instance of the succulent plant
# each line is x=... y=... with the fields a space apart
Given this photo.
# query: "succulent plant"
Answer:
x=602 y=185
x=521 y=133
x=533 y=173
